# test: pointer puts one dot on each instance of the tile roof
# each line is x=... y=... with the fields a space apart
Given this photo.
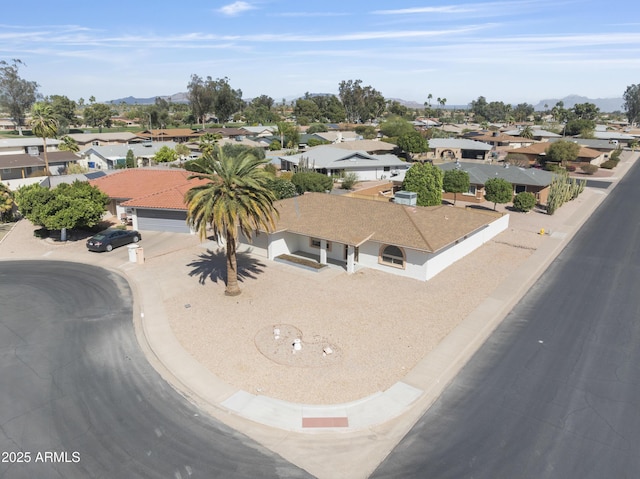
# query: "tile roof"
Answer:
x=353 y=221
x=148 y=188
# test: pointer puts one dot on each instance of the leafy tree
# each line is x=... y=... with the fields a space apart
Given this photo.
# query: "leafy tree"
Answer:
x=631 y=98
x=562 y=152
x=523 y=111
x=165 y=155
x=586 y=111
x=235 y=150
x=524 y=201
x=455 y=181
x=288 y=133
x=580 y=127
x=16 y=94
x=331 y=109
x=397 y=109
x=226 y=101
x=361 y=104
x=426 y=180
x=201 y=98
x=498 y=190
x=317 y=128
x=45 y=125
x=260 y=111
x=182 y=150
x=65 y=111
x=275 y=145
x=395 y=127
x=67 y=206
x=98 y=115
x=6 y=202
x=413 y=142
x=130 y=159
x=311 y=181
x=367 y=132
x=306 y=111
x=282 y=188
x=235 y=199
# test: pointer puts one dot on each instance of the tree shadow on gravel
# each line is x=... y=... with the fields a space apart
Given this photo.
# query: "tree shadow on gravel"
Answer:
x=212 y=265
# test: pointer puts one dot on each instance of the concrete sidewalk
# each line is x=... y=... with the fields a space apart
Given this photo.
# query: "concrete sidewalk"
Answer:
x=318 y=438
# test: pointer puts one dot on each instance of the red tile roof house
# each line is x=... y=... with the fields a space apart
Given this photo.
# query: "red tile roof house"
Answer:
x=153 y=199
x=415 y=242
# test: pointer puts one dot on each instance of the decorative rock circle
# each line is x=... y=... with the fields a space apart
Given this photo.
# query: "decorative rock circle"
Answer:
x=278 y=343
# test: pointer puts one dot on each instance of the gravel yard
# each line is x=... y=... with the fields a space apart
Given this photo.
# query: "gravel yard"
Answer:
x=381 y=324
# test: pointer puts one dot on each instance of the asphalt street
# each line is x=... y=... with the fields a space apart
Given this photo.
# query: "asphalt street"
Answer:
x=555 y=391
x=78 y=398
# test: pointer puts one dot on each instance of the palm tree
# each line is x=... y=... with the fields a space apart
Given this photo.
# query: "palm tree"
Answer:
x=69 y=144
x=45 y=125
x=234 y=199
x=527 y=132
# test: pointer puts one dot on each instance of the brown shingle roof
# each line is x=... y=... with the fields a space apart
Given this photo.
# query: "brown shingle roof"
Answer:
x=353 y=221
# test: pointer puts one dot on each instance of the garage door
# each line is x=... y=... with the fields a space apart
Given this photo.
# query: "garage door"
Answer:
x=162 y=220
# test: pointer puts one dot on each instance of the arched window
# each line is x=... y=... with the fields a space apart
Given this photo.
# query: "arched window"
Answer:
x=392 y=255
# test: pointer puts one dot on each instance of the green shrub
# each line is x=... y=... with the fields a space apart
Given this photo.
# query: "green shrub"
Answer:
x=570 y=168
x=524 y=201
x=609 y=164
x=282 y=188
x=589 y=169
x=271 y=169
x=349 y=180
x=275 y=145
x=550 y=166
x=311 y=181
x=615 y=156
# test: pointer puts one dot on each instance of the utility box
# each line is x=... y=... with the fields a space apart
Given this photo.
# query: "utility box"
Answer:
x=133 y=252
x=408 y=198
x=140 y=255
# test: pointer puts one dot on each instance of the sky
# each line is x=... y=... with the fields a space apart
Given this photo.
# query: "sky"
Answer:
x=512 y=51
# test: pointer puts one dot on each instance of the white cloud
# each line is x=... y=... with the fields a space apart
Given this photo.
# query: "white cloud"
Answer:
x=236 y=8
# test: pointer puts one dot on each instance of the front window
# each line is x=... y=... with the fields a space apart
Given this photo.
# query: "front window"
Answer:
x=472 y=190
x=392 y=256
x=315 y=243
x=520 y=189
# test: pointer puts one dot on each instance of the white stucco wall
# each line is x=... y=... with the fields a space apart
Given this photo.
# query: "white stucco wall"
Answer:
x=415 y=265
x=445 y=258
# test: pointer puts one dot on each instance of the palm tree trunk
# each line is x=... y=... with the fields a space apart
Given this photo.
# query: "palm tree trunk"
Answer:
x=232 y=267
x=46 y=158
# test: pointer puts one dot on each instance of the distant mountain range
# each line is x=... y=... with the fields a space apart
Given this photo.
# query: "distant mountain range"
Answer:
x=606 y=105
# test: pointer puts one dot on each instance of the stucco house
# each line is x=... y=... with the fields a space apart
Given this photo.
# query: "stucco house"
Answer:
x=537 y=152
x=457 y=148
x=410 y=241
x=332 y=161
x=152 y=198
x=111 y=156
x=532 y=180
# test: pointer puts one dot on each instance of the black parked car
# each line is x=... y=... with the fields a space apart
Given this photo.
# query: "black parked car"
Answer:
x=112 y=238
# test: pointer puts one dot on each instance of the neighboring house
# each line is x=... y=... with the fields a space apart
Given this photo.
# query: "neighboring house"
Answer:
x=154 y=199
x=533 y=180
x=410 y=241
x=339 y=136
x=14 y=166
x=30 y=145
x=457 y=148
x=177 y=135
x=113 y=156
x=51 y=181
x=332 y=161
x=497 y=139
x=103 y=139
x=226 y=132
x=259 y=131
x=7 y=124
x=538 y=134
x=604 y=146
x=537 y=152
x=373 y=147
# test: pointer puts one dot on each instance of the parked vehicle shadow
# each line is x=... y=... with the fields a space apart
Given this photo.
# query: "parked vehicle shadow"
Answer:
x=212 y=265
